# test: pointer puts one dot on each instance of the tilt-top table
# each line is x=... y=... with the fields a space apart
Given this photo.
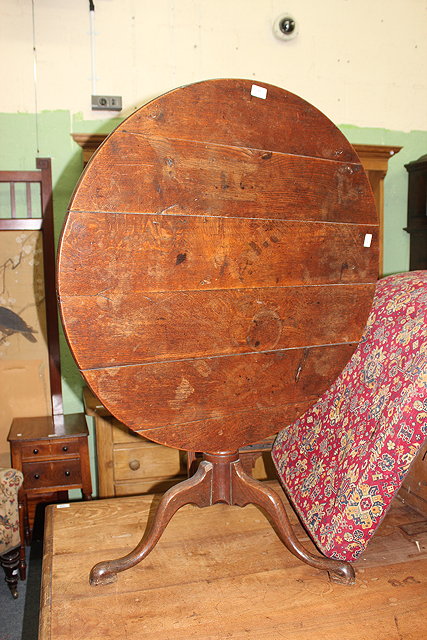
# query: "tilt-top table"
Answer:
x=215 y=273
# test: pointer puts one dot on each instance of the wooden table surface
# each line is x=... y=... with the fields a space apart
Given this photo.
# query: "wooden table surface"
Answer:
x=222 y=573
x=217 y=264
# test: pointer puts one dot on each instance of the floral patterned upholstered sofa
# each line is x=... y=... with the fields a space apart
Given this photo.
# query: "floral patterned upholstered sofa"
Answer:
x=10 y=482
x=344 y=460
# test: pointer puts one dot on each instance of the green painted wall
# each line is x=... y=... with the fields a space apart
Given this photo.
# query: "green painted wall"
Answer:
x=23 y=137
x=22 y=134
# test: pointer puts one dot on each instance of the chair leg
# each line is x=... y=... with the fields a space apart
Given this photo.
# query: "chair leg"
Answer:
x=10 y=563
x=22 y=561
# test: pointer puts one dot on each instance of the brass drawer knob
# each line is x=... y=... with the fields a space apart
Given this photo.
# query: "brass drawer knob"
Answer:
x=134 y=465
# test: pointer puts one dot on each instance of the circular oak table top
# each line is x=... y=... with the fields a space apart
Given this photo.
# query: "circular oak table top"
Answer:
x=217 y=264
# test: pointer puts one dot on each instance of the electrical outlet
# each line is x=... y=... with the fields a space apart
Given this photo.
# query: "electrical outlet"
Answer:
x=106 y=103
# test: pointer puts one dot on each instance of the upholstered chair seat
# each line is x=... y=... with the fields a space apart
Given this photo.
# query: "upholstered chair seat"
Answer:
x=10 y=482
x=344 y=460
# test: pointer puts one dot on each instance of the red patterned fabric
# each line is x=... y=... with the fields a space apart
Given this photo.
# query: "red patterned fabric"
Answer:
x=343 y=461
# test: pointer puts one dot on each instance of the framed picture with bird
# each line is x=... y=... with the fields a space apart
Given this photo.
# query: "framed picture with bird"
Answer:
x=24 y=356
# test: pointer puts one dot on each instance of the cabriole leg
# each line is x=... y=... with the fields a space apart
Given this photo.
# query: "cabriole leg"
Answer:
x=196 y=490
x=246 y=490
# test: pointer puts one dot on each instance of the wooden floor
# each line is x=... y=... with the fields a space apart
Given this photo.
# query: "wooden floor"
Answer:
x=220 y=573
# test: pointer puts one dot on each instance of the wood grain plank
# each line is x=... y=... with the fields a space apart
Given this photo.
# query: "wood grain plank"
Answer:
x=45 y=621
x=222 y=572
x=133 y=328
x=227 y=433
x=252 y=606
x=216 y=398
x=130 y=252
x=134 y=173
x=116 y=525
x=223 y=111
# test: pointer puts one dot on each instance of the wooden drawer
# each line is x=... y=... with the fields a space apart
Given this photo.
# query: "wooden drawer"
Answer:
x=64 y=448
x=32 y=451
x=40 y=475
x=146 y=461
x=150 y=485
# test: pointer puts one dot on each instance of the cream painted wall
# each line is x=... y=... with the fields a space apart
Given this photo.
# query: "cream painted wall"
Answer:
x=361 y=62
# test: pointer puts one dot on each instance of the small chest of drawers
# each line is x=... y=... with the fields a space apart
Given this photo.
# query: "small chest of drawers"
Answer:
x=127 y=463
x=53 y=455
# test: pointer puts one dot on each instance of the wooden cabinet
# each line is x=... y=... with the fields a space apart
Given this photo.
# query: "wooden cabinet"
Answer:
x=374 y=158
x=417 y=213
x=128 y=463
x=53 y=455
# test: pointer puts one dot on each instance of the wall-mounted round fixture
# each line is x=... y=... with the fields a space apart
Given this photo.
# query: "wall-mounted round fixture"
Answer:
x=285 y=27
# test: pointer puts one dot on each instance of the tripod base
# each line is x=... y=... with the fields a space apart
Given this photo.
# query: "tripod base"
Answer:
x=220 y=478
